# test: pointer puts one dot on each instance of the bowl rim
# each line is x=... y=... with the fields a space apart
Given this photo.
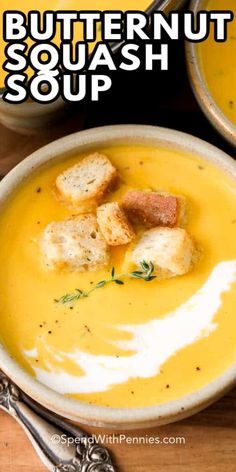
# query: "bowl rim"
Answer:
x=200 y=89
x=75 y=410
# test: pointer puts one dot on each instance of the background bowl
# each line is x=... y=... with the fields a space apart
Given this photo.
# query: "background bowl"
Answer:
x=201 y=91
x=30 y=117
x=77 y=411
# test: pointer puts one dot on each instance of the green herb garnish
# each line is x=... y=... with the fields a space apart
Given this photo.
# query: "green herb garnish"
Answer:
x=145 y=274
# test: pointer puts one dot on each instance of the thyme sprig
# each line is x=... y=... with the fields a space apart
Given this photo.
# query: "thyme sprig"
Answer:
x=145 y=274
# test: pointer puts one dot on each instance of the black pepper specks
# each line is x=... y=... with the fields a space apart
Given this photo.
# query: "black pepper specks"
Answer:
x=87 y=329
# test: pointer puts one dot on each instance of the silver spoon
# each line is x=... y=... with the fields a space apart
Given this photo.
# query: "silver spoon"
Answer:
x=45 y=429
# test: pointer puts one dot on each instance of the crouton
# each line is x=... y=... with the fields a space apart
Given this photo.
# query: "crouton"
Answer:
x=170 y=250
x=76 y=244
x=114 y=224
x=85 y=184
x=151 y=208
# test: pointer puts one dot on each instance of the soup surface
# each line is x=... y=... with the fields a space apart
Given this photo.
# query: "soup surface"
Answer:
x=217 y=61
x=133 y=345
x=27 y=5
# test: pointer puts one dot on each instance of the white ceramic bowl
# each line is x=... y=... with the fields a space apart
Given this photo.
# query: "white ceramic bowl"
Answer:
x=201 y=91
x=115 y=418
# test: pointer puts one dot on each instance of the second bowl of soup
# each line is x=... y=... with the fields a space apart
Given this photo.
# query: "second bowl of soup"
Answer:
x=212 y=72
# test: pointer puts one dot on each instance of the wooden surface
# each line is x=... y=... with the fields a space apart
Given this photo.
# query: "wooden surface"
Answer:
x=210 y=437
x=210 y=445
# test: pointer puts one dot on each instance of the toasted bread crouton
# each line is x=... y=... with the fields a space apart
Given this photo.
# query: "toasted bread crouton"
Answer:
x=85 y=184
x=151 y=208
x=114 y=224
x=169 y=249
x=75 y=244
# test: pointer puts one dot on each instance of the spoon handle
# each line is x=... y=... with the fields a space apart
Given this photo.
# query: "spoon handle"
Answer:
x=61 y=447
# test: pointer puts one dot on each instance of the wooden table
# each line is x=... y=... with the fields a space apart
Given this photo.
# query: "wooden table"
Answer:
x=210 y=439
x=166 y=100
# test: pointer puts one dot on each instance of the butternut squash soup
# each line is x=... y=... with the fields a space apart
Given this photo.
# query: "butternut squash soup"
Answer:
x=118 y=275
x=217 y=62
x=28 y=5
